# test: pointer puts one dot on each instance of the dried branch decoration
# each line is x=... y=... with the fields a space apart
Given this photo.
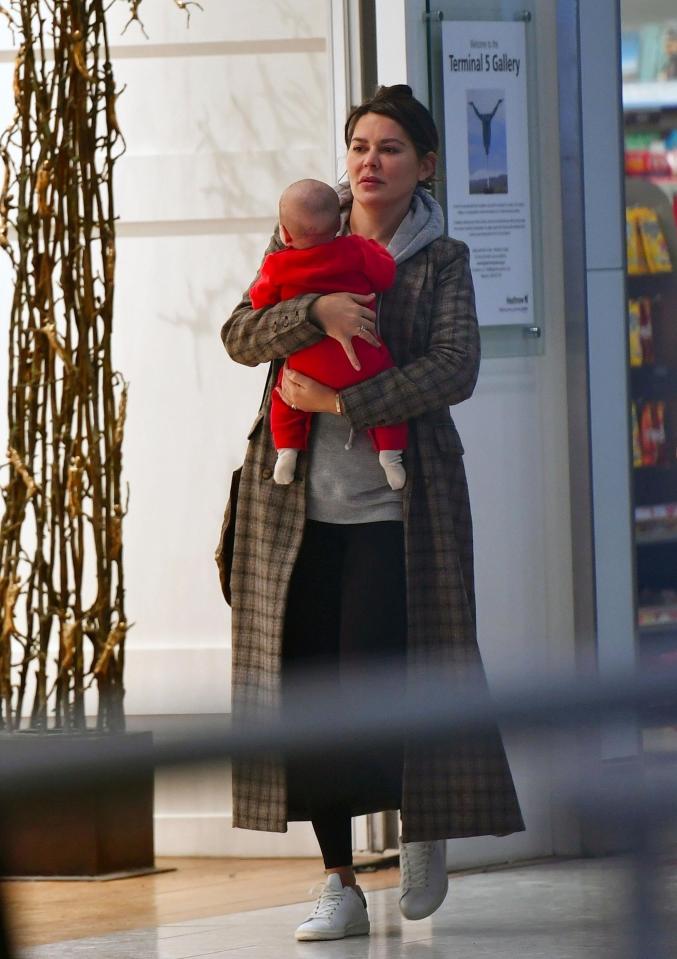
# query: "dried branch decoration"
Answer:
x=184 y=5
x=61 y=543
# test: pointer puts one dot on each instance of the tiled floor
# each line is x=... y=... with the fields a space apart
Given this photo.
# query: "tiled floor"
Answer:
x=565 y=910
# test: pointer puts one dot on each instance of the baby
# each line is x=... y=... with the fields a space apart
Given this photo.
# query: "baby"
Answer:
x=315 y=260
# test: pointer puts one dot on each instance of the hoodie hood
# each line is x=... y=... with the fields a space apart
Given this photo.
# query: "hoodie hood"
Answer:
x=423 y=223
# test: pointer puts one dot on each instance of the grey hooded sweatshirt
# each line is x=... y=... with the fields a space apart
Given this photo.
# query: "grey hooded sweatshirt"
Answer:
x=345 y=481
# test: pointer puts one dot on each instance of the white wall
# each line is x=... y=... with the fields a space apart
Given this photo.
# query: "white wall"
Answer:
x=218 y=118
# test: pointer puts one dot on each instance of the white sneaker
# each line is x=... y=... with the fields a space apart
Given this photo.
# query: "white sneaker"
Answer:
x=423 y=877
x=339 y=912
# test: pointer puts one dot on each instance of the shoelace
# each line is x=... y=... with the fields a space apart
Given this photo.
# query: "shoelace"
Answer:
x=415 y=864
x=327 y=903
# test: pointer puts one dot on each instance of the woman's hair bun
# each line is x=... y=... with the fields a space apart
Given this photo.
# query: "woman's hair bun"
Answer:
x=397 y=90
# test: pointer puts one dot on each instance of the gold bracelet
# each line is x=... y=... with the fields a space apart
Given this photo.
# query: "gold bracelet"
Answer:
x=339 y=409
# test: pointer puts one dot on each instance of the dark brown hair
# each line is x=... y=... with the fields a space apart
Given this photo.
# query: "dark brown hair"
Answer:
x=399 y=103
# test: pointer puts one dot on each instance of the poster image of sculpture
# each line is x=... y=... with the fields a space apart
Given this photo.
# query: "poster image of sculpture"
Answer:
x=487 y=141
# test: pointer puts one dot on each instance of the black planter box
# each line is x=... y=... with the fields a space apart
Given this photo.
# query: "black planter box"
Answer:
x=90 y=828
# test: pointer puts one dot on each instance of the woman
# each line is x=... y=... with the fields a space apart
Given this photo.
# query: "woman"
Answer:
x=318 y=574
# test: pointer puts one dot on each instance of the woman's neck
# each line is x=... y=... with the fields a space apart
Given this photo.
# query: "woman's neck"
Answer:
x=377 y=224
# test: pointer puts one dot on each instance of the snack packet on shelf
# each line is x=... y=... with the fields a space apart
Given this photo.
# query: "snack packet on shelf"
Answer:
x=637 y=264
x=647 y=436
x=634 y=333
x=636 y=445
x=659 y=433
x=656 y=251
x=646 y=330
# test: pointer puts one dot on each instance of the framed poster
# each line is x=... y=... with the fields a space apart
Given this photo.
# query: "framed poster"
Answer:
x=487 y=163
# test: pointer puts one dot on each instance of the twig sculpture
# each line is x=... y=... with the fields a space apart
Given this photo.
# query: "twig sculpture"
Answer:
x=62 y=614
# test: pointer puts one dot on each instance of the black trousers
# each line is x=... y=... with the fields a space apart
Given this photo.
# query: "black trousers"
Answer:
x=346 y=609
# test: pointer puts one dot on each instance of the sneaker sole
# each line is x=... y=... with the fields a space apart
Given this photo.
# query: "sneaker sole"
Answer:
x=320 y=936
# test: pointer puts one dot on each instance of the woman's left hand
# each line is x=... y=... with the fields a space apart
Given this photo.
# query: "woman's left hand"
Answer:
x=303 y=393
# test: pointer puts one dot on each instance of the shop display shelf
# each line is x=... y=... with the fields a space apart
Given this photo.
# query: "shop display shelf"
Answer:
x=648 y=95
x=666 y=277
x=656 y=468
x=658 y=119
x=654 y=484
x=656 y=524
x=657 y=512
x=658 y=620
x=653 y=381
x=656 y=536
x=649 y=284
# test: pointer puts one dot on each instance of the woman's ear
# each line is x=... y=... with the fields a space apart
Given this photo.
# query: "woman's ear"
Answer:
x=427 y=166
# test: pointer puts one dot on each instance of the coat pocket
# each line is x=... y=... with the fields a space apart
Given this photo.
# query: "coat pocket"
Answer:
x=224 y=549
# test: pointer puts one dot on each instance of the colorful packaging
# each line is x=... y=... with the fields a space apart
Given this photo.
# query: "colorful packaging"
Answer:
x=634 y=333
x=659 y=432
x=636 y=260
x=636 y=445
x=646 y=331
x=646 y=435
x=647 y=163
x=652 y=439
x=656 y=251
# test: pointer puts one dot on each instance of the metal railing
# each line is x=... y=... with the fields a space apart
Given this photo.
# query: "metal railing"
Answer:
x=383 y=706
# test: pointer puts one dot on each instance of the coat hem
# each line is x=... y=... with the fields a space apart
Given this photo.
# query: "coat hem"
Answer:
x=259 y=826
x=430 y=835
x=407 y=835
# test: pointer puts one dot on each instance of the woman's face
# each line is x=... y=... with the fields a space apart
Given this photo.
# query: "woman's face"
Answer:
x=383 y=166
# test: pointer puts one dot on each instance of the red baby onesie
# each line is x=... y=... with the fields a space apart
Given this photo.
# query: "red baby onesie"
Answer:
x=348 y=264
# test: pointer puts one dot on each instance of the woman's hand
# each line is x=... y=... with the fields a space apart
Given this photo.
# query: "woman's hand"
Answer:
x=345 y=315
x=303 y=393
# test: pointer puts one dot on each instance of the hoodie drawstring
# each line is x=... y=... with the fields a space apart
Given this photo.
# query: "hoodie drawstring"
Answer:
x=379 y=297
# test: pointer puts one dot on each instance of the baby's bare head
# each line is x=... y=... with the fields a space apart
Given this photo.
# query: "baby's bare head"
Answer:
x=309 y=212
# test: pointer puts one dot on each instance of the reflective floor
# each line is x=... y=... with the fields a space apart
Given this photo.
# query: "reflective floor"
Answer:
x=555 y=910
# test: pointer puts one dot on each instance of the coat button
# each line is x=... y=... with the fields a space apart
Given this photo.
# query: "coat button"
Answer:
x=266 y=473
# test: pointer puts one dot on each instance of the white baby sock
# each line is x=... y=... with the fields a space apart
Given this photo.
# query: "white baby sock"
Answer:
x=285 y=466
x=391 y=461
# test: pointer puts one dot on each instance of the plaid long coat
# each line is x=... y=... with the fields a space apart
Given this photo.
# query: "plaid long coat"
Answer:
x=428 y=321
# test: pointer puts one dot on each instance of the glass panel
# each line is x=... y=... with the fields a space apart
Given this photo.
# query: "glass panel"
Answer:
x=649 y=59
x=509 y=339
